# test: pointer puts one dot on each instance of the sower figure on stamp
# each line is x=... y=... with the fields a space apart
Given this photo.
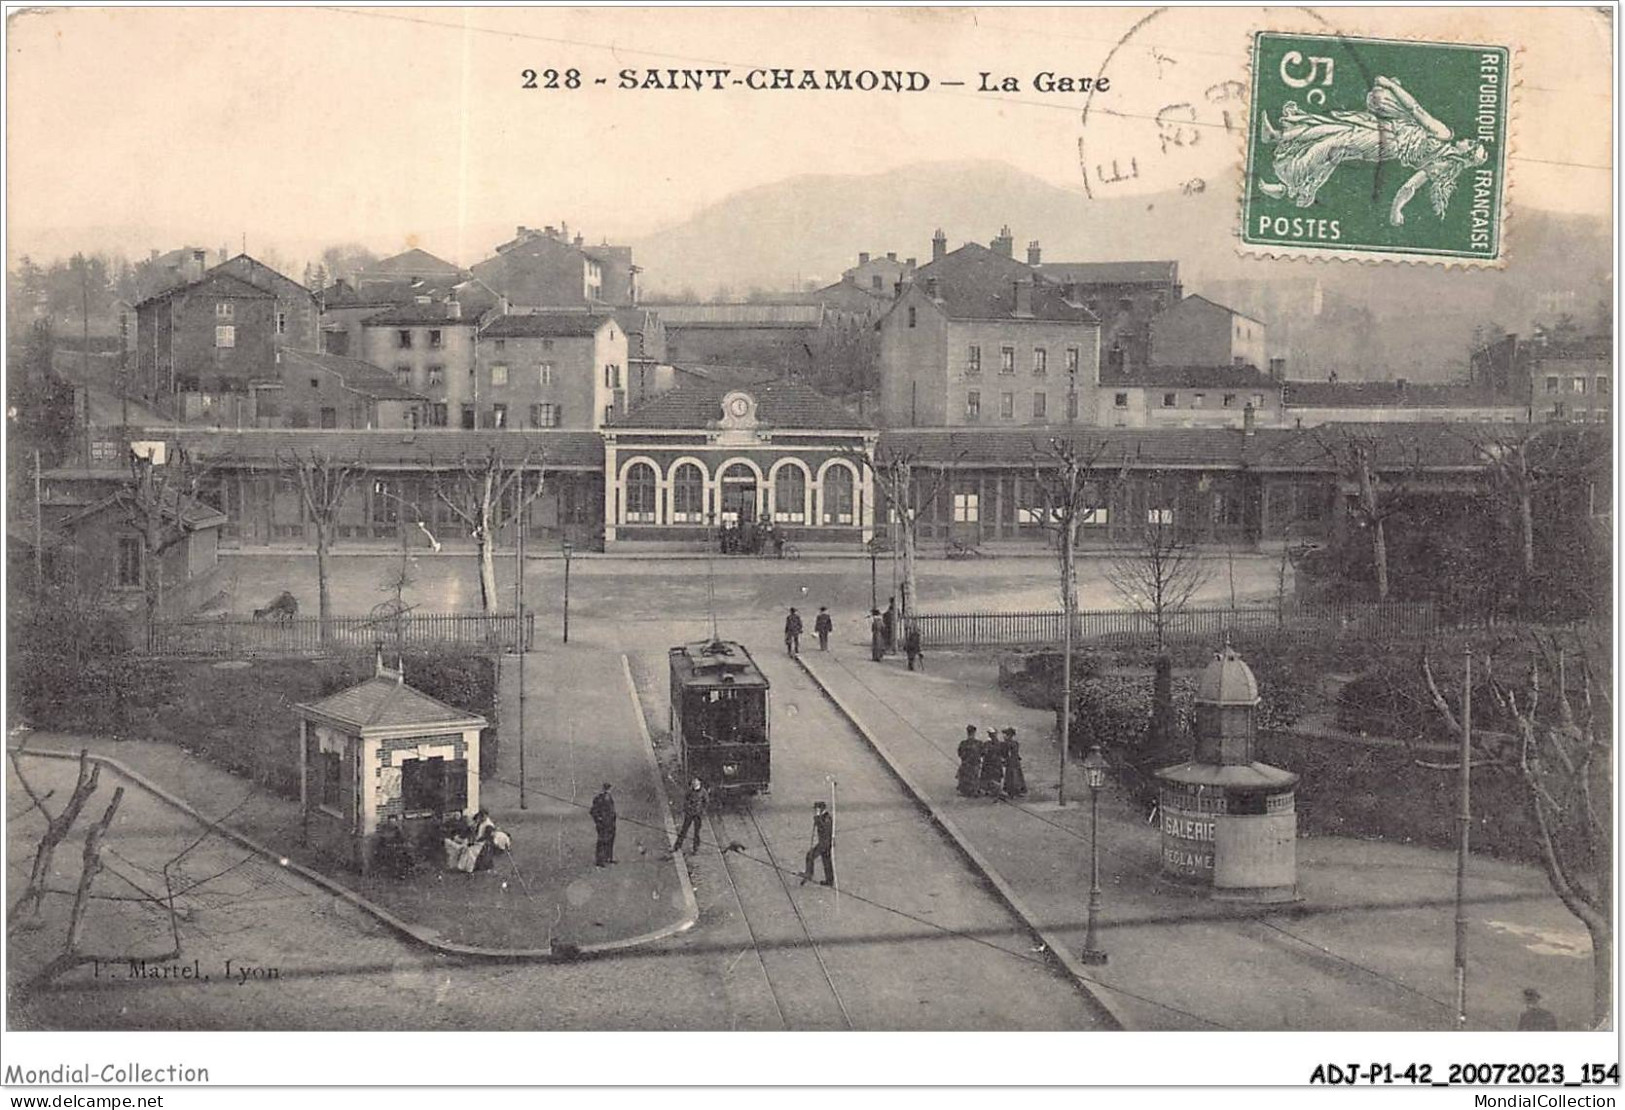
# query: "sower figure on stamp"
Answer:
x=823 y=625
x=823 y=845
x=693 y=814
x=603 y=819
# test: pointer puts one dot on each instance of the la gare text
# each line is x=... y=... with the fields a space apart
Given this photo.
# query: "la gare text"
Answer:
x=811 y=80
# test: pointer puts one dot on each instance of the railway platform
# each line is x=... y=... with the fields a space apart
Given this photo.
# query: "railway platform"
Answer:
x=1368 y=947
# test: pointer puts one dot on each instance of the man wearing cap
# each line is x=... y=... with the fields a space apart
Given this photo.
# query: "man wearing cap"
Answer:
x=1535 y=1019
x=823 y=845
x=603 y=819
x=693 y=814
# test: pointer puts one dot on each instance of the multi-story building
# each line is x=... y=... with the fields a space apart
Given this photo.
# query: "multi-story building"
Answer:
x=1200 y=332
x=979 y=339
x=1221 y=396
x=345 y=307
x=879 y=275
x=1570 y=379
x=778 y=337
x=298 y=317
x=429 y=348
x=548 y=269
x=550 y=370
x=202 y=346
x=1125 y=296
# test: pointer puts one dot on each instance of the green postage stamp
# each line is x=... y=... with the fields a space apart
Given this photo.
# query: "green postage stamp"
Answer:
x=1374 y=148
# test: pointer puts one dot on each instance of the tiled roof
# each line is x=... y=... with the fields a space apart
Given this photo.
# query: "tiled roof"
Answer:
x=780 y=403
x=341 y=294
x=728 y=375
x=1392 y=394
x=363 y=377
x=1111 y=447
x=409 y=263
x=212 y=284
x=191 y=513
x=554 y=325
x=435 y=312
x=382 y=702
x=1190 y=377
x=1110 y=273
x=1394 y=447
x=763 y=315
x=554 y=449
x=974 y=283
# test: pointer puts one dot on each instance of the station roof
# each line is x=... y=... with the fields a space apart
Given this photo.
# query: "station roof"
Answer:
x=427 y=448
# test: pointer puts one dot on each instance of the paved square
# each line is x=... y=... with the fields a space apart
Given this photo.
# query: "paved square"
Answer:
x=1376 y=147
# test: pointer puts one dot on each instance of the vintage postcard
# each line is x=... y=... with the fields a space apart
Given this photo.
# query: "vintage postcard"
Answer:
x=854 y=520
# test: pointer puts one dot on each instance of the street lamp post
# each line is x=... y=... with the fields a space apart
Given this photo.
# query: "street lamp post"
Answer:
x=569 y=549
x=1094 y=774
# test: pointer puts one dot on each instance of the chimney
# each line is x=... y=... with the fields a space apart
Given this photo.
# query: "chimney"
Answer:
x=1247 y=418
x=196 y=262
x=891 y=256
x=1024 y=297
x=939 y=245
x=1069 y=292
x=1005 y=244
x=454 y=309
x=911 y=264
x=1278 y=369
x=1033 y=255
x=863 y=258
x=550 y=231
x=579 y=240
x=931 y=287
x=519 y=232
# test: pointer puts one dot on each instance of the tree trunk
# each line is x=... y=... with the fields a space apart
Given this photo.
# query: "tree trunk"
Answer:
x=56 y=831
x=1526 y=529
x=1069 y=608
x=488 y=567
x=324 y=599
x=1602 y=972
x=1379 y=555
x=910 y=594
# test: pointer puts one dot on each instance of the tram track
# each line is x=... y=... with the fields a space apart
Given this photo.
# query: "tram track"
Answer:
x=803 y=990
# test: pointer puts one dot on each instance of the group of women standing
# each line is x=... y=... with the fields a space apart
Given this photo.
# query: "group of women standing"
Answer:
x=991 y=768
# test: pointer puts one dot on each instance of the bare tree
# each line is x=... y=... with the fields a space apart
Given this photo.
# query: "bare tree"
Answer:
x=479 y=491
x=1155 y=568
x=1376 y=497
x=1064 y=473
x=158 y=501
x=324 y=482
x=894 y=470
x=1562 y=759
x=56 y=830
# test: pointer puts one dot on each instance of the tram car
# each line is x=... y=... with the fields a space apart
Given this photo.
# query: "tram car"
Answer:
x=719 y=717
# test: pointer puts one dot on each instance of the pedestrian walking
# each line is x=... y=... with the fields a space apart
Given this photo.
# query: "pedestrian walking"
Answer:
x=1015 y=779
x=603 y=819
x=792 y=632
x=970 y=763
x=1535 y=1019
x=823 y=624
x=693 y=814
x=890 y=619
x=823 y=845
x=877 y=635
x=911 y=646
x=993 y=766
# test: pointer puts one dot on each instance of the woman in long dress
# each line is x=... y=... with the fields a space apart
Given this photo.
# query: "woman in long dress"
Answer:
x=1015 y=780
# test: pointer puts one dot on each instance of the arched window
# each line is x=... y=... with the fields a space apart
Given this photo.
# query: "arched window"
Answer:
x=688 y=495
x=640 y=494
x=838 y=500
x=790 y=495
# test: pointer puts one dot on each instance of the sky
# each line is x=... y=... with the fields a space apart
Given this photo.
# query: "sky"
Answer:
x=289 y=130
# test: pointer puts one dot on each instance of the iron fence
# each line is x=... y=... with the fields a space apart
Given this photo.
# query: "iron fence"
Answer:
x=1381 y=622
x=244 y=636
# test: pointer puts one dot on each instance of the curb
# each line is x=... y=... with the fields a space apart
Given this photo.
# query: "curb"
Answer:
x=1080 y=977
x=404 y=929
x=691 y=907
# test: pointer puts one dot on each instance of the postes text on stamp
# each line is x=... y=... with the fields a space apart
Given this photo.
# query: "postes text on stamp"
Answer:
x=1376 y=148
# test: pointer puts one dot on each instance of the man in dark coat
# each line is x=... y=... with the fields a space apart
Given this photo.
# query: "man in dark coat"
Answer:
x=693 y=814
x=823 y=625
x=823 y=845
x=890 y=620
x=792 y=632
x=911 y=646
x=603 y=819
x=1535 y=1017
x=970 y=763
x=877 y=635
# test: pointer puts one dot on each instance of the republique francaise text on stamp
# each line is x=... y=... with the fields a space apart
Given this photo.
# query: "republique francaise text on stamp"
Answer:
x=1376 y=148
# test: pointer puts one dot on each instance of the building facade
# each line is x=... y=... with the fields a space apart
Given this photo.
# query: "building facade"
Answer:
x=201 y=345
x=298 y=317
x=1307 y=404
x=1124 y=296
x=977 y=340
x=709 y=456
x=1220 y=396
x=547 y=269
x=329 y=391
x=429 y=348
x=551 y=370
x=1199 y=332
